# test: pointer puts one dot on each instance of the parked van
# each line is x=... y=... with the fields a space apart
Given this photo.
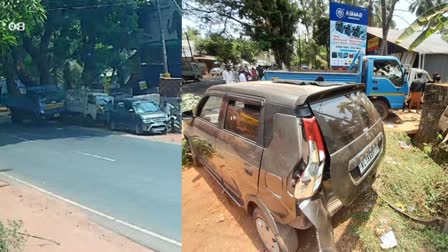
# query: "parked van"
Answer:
x=191 y=71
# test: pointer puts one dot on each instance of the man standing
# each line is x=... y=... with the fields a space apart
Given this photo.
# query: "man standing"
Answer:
x=417 y=89
x=254 y=74
x=242 y=76
x=227 y=75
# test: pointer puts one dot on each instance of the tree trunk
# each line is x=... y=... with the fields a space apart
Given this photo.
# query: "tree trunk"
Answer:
x=11 y=74
x=386 y=19
x=370 y=11
x=436 y=101
x=88 y=51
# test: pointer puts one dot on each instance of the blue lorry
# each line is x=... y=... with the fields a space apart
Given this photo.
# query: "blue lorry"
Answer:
x=34 y=103
x=384 y=78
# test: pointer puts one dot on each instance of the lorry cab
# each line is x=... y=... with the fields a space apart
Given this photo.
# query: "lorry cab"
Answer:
x=386 y=83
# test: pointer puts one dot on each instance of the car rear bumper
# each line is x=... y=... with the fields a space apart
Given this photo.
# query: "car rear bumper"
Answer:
x=316 y=212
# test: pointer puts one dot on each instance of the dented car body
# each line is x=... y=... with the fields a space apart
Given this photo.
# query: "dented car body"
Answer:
x=292 y=153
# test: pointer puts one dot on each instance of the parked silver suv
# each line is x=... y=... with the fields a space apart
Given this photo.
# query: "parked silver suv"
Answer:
x=291 y=153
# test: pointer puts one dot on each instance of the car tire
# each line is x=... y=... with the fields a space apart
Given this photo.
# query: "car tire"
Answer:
x=15 y=118
x=138 y=129
x=285 y=241
x=112 y=125
x=194 y=157
x=382 y=108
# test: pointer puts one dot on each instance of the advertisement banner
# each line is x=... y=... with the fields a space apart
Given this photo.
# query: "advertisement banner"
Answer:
x=348 y=33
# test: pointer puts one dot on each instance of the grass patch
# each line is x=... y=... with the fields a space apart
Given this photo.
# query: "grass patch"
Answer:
x=186 y=154
x=10 y=237
x=413 y=182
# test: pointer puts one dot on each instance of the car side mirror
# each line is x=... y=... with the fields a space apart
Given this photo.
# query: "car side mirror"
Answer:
x=188 y=114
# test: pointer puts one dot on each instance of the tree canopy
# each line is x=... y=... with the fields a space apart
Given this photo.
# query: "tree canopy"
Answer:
x=272 y=24
x=64 y=37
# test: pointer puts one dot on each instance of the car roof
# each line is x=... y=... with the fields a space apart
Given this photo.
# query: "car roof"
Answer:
x=286 y=92
x=132 y=99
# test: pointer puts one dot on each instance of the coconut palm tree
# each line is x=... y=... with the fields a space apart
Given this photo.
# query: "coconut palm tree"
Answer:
x=421 y=6
x=433 y=20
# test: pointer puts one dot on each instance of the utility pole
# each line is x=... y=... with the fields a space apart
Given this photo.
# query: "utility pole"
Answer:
x=162 y=32
x=191 y=52
x=300 y=54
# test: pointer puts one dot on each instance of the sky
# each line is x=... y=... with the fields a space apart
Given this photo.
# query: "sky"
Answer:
x=402 y=17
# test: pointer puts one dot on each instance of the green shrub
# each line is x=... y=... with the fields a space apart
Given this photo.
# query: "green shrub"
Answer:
x=10 y=237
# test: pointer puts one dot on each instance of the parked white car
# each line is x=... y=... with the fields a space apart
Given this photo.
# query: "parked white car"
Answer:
x=216 y=71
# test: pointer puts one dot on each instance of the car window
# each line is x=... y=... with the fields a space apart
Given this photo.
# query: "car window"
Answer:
x=119 y=106
x=91 y=99
x=388 y=69
x=243 y=119
x=145 y=107
x=211 y=108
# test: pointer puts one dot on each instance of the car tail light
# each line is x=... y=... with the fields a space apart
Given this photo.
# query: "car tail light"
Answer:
x=310 y=180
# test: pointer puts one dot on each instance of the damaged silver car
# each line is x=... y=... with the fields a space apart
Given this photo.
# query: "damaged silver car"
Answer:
x=291 y=153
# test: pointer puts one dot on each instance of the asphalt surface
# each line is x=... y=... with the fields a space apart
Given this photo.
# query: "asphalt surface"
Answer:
x=199 y=88
x=136 y=181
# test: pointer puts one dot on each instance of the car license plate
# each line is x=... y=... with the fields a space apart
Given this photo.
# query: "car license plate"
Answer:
x=55 y=106
x=368 y=158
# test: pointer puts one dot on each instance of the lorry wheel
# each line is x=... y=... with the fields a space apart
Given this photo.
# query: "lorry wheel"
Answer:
x=382 y=108
x=285 y=241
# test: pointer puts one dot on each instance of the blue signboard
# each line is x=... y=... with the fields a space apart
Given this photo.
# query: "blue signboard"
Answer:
x=348 y=33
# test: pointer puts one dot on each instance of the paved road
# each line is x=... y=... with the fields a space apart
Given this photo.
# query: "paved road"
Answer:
x=133 y=180
x=198 y=88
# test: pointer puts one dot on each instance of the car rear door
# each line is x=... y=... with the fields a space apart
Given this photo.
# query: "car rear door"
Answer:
x=118 y=114
x=239 y=145
x=204 y=130
x=354 y=137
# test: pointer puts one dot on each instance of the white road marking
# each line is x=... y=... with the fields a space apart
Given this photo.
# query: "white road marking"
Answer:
x=97 y=156
x=156 y=235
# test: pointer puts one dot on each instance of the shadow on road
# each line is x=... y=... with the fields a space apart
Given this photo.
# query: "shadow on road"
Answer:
x=16 y=133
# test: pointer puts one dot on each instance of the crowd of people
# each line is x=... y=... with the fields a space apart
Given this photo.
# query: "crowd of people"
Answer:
x=243 y=74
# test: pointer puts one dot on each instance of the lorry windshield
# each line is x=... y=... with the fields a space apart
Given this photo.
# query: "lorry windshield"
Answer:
x=145 y=107
x=389 y=69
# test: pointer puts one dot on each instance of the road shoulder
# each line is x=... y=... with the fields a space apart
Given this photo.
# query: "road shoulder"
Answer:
x=53 y=219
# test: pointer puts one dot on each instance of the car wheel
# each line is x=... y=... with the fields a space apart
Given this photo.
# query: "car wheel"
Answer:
x=15 y=118
x=382 y=108
x=285 y=241
x=138 y=129
x=112 y=125
x=199 y=78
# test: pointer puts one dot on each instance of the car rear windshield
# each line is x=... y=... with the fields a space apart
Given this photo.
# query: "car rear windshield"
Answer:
x=344 y=118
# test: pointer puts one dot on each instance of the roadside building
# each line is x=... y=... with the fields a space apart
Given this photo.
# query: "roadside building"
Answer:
x=431 y=55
